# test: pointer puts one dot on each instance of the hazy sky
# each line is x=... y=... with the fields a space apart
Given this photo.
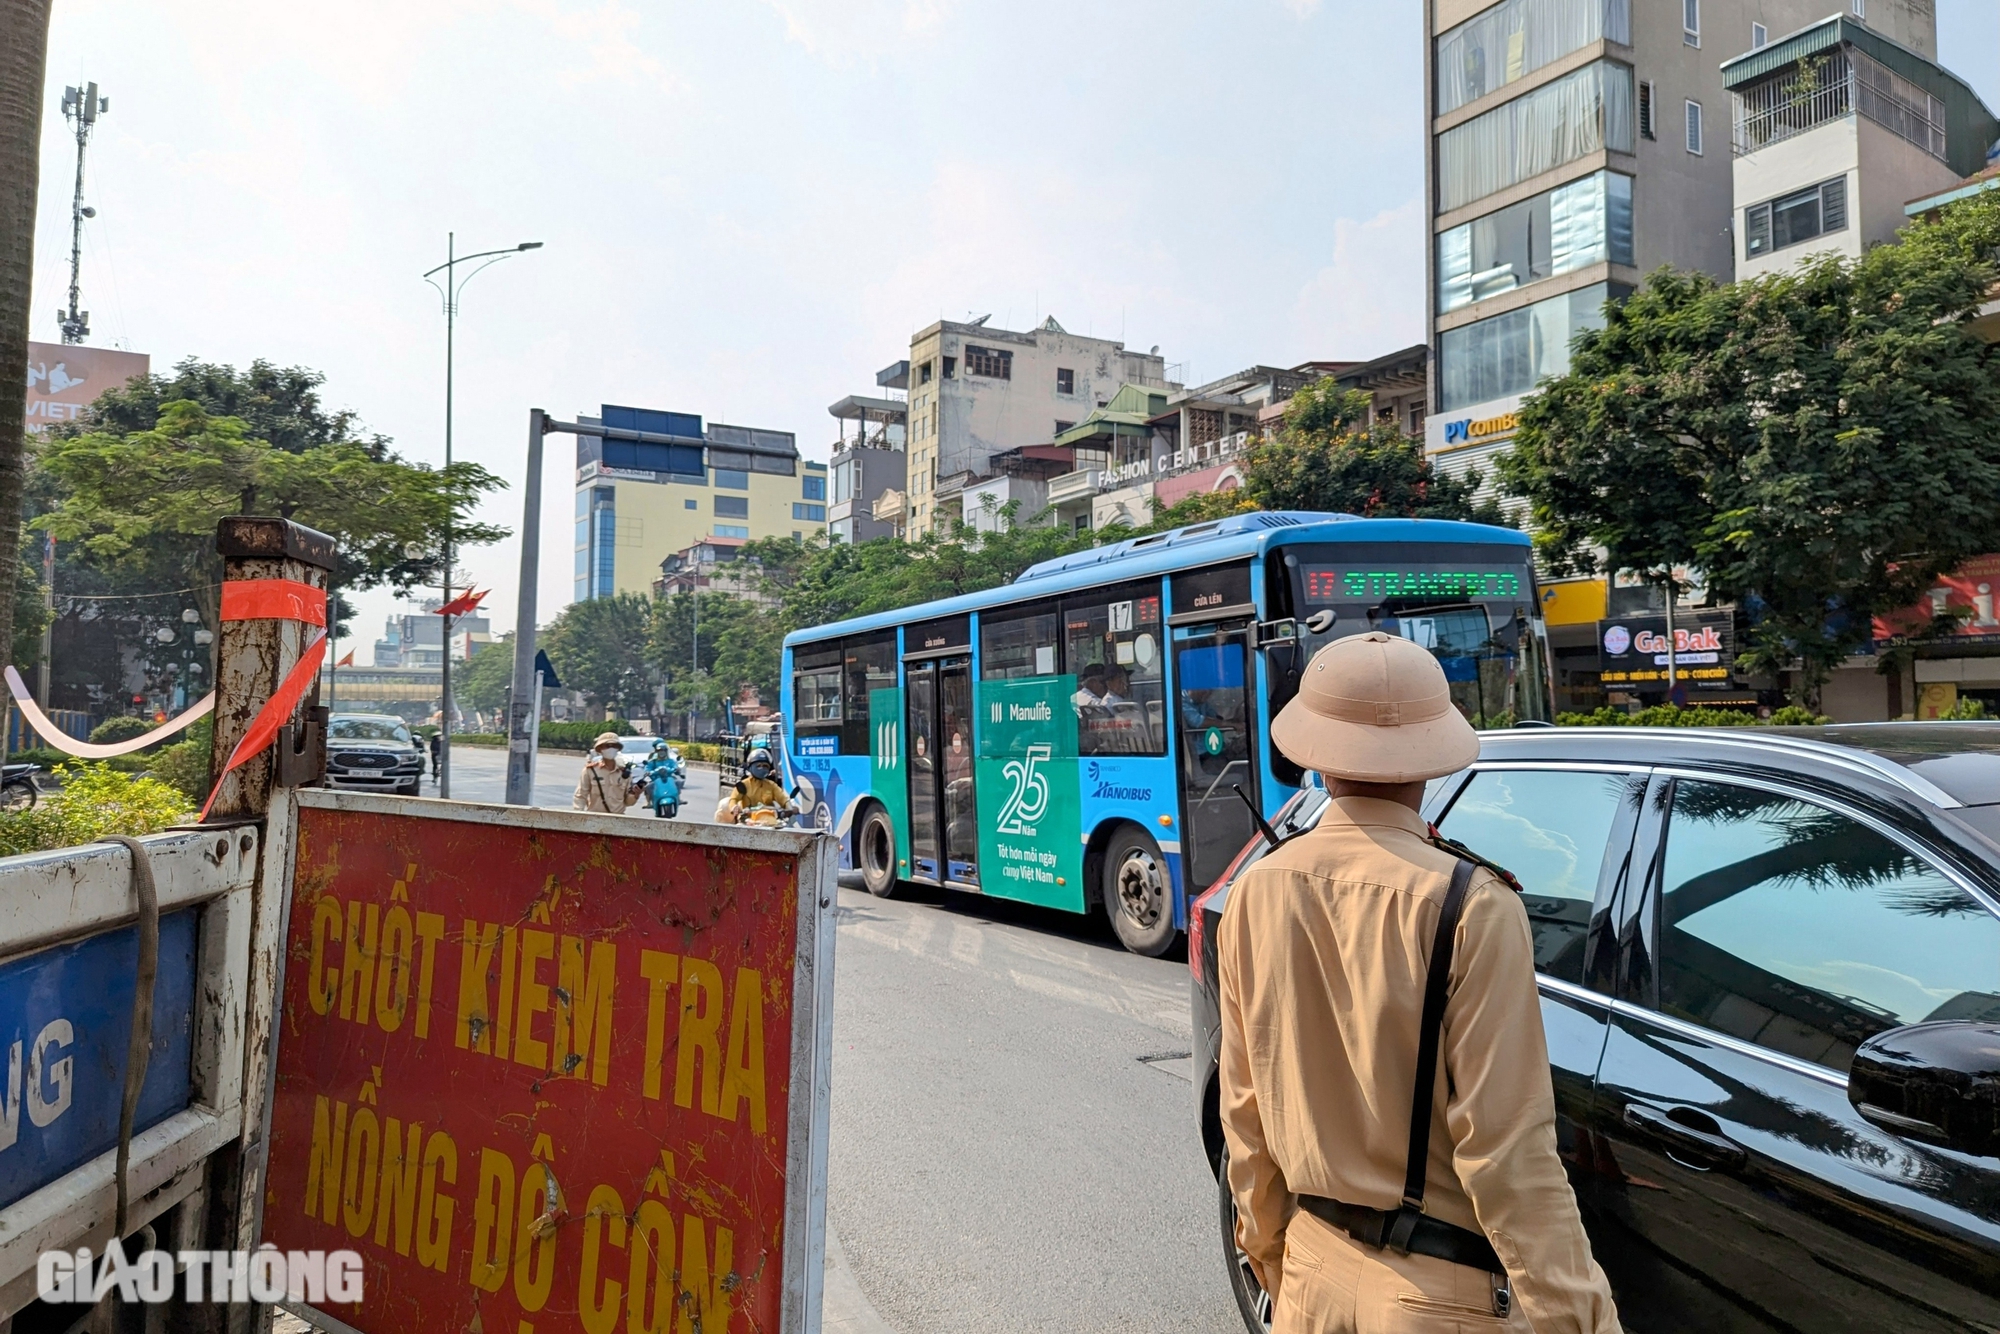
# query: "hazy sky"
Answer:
x=747 y=207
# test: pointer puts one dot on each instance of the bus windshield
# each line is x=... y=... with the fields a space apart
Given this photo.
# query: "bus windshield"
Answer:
x=1471 y=605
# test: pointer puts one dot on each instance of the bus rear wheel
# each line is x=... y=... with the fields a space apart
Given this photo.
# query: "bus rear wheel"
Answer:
x=1138 y=894
x=875 y=849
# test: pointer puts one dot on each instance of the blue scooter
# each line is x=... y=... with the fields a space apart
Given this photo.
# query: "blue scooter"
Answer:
x=664 y=777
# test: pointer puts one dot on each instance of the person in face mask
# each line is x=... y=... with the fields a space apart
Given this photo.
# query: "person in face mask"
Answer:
x=605 y=785
x=757 y=797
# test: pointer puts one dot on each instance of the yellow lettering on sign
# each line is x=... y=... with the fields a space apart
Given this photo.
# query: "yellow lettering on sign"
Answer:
x=530 y=1050
x=475 y=1015
x=392 y=979
x=706 y=1301
x=660 y=971
x=583 y=1008
x=357 y=1182
x=396 y=1202
x=434 y=1207
x=328 y=1157
x=430 y=930
x=322 y=982
x=493 y=1220
x=701 y=1021
x=357 y=966
x=744 y=1075
x=535 y=1264
x=503 y=1013
x=652 y=1266
x=603 y=1218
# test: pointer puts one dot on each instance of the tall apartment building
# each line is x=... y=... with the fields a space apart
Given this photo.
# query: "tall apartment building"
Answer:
x=976 y=391
x=1574 y=146
x=639 y=504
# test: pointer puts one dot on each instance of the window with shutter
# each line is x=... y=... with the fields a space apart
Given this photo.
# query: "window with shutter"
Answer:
x=1756 y=229
x=1833 y=205
x=1646 y=129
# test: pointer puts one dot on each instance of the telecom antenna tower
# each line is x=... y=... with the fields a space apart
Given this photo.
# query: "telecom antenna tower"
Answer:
x=81 y=107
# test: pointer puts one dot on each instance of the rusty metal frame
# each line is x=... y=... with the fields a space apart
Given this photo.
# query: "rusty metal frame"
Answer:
x=811 y=1049
x=74 y=894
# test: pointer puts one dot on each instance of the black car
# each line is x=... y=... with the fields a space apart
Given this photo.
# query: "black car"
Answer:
x=372 y=752
x=1736 y=930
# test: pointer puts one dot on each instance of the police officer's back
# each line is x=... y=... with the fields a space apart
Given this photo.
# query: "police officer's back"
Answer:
x=1325 y=954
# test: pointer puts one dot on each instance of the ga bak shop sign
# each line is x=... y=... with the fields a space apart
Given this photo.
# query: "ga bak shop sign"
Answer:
x=550 y=1072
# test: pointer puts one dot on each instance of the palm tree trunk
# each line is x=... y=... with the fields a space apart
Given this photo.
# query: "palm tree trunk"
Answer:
x=23 y=64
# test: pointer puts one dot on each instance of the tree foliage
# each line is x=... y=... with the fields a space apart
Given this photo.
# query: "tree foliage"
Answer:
x=599 y=647
x=147 y=502
x=1818 y=442
x=1330 y=455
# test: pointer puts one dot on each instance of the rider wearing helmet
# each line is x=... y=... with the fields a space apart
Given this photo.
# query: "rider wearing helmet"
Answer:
x=758 y=790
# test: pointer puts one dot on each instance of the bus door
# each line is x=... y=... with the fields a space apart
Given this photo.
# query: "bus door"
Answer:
x=1215 y=715
x=944 y=822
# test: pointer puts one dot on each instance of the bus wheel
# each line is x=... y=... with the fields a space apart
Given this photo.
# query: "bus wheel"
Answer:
x=1138 y=896
x=875 y=849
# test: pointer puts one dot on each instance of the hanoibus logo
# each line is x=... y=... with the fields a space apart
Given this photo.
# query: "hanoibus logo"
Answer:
x=265 y=1275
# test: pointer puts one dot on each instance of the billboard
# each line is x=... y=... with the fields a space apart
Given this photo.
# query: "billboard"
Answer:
x=1967 y=594
x=64 y=379
x=550 y=1070
x=1633 y=650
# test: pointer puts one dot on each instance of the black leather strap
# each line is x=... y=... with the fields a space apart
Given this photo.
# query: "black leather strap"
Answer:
x=1437 y=983
x=1428 y=1236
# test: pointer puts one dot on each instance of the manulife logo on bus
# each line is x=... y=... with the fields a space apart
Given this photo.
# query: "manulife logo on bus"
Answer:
x=1030 y=844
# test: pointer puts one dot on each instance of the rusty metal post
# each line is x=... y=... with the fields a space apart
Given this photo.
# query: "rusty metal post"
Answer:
x=252 y=657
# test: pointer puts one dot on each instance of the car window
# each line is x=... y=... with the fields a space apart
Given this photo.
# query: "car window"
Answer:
x=1800 y=929
x=1549 y=827
x=368 y=729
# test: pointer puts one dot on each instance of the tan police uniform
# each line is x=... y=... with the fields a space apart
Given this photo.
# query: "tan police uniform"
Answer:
x=1323 y=955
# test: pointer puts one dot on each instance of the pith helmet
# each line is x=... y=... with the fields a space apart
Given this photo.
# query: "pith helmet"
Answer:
x=607 y=739
x=1375 y=708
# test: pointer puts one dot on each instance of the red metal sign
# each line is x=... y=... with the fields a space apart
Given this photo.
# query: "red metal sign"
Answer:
x=551 y=1072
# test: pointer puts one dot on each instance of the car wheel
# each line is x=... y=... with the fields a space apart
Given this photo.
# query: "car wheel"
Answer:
x=1138 y=893
x=19 y=795
x=410 y=789
x=875 y=848
x=1252 y=1302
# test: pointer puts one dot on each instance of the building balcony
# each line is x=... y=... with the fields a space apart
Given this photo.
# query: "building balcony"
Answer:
x=1079 y=485
x=889 y=507
x=1816 y=92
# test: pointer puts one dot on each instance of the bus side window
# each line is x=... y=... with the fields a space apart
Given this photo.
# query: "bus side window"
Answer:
x=1015 y=644
x=1113 y=645
x=869 y=664
x=816 y=691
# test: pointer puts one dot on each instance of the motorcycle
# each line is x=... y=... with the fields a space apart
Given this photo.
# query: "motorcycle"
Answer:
x=18 y=787
x=665 y=776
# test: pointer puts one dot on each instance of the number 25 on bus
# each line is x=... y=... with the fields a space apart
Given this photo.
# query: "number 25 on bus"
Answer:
x=1095 y=733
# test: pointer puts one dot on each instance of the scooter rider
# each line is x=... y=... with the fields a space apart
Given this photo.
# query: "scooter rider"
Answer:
x=757 y=791
x=1385 y=1079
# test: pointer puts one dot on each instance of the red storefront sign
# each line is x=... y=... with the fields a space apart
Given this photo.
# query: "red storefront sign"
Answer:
x=1969 y=594
x=552 y=1072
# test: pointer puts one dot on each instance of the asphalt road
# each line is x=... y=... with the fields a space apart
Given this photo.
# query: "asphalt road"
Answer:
x=1014 y=1144
x=479 y=773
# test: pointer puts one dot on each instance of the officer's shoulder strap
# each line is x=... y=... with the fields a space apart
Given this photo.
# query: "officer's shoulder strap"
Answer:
x=1463 y=853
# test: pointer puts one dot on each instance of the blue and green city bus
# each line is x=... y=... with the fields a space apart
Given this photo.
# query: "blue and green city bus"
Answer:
x=1097 y=731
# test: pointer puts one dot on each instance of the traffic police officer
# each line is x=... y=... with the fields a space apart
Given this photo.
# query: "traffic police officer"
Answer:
x=1393 y=1163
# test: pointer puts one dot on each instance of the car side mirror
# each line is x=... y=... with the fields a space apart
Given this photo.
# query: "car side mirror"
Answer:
x=1936 y=1082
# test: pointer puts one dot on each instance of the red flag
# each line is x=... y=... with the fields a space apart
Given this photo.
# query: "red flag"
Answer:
x=346 y=659
x=467 y=602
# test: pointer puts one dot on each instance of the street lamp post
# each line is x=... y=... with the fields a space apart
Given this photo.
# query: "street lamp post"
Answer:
x=449 y=289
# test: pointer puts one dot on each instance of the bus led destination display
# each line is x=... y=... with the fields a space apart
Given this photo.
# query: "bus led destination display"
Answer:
x=1325 y=584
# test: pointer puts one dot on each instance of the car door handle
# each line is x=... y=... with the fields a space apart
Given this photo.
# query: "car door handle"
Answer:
x=1718 y=1150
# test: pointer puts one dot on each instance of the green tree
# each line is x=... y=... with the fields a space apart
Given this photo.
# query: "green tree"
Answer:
x=147 y=502
x=484 y=683
x=23 y=66
x=600 y=647
x=1330 y=455
x=1818 y=442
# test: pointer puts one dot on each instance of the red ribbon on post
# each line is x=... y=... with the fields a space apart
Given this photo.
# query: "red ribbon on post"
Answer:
x=273 y=600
